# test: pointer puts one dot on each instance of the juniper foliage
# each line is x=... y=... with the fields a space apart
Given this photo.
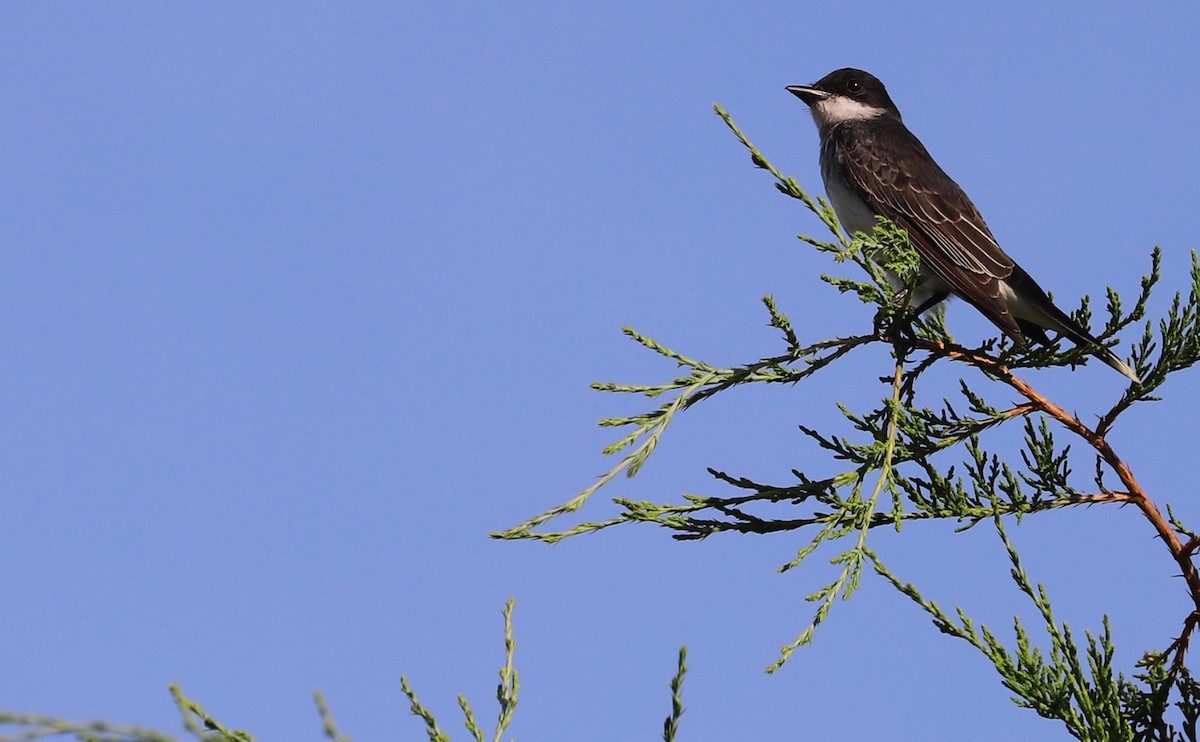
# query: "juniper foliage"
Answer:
x=892 y=470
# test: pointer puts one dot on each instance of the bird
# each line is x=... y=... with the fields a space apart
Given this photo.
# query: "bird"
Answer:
x=872 y=165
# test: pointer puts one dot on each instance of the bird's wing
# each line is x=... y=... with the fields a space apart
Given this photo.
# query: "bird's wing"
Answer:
x=896 y=177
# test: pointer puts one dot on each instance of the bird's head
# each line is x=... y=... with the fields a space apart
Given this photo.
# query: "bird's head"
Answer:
x=845 y=95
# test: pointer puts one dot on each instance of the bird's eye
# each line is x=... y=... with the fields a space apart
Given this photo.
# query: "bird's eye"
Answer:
x=855 y=85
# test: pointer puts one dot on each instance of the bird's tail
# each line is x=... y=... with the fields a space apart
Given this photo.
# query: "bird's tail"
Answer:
x=1106 y=355
x=1057 y=320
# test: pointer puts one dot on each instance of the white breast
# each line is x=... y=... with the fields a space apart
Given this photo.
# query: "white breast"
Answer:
x=852 y=212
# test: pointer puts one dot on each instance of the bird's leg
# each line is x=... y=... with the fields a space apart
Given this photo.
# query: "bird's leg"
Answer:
x=904 y=327
x=934 y=299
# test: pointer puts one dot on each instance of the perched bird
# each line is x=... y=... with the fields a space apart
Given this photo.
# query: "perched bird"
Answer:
x=873 y=165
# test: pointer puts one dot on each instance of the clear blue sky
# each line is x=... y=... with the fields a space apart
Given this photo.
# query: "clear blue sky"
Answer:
x=298 y=301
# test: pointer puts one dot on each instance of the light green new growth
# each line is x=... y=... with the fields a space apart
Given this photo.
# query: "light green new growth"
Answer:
x=671 y=725
x=41 y=727
x=195 y=720
x=506 y=694
x=327 y=723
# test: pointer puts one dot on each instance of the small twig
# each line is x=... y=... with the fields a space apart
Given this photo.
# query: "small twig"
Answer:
x=671 y=725
x=1180 y=646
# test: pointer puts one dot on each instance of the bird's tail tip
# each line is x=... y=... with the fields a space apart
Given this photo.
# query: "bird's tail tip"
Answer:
x=1125 y=370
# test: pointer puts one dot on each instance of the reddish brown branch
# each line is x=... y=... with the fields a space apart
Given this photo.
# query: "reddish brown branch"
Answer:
x=1179 y=647
x=1182 y=553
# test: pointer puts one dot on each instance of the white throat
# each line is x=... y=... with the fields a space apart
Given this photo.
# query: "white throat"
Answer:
x=838 y=108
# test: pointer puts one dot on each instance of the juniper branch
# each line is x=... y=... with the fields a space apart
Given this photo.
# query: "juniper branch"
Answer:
x=902 y=446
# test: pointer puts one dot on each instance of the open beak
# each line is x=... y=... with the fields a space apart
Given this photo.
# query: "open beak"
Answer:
x=808 y=94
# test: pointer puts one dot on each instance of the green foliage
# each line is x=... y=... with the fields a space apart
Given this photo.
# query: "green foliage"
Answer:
x=506 y=694
x=910 y=458
x=36 y=726
x=204 y=727
x=671 y=725
x=1088 y=700
x=196 y=721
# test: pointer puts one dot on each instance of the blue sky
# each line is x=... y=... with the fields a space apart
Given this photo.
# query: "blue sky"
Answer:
x=299 y=301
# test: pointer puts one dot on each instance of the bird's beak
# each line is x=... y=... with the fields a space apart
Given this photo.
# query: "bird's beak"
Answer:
x=808 y=94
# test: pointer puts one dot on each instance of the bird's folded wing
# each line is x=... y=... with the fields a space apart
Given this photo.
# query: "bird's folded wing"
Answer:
x=943 y=225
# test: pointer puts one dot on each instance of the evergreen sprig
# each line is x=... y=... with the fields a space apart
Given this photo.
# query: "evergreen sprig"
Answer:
x=671 y=724
x=1088 y=700
x=506 y=694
